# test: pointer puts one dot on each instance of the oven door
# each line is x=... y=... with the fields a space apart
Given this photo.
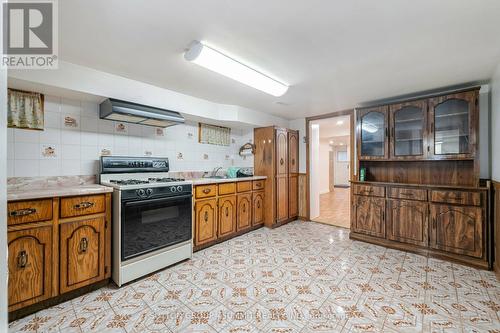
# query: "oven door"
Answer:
x=152 y=224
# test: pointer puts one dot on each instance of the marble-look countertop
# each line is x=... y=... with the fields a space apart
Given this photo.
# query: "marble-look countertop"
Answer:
x=204 y=181
x=57 y=191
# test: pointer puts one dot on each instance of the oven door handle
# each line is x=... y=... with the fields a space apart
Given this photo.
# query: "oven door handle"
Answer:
x=149 y=201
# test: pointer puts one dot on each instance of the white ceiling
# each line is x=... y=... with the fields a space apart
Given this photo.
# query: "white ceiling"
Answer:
x=334 y=54
x=329 y=128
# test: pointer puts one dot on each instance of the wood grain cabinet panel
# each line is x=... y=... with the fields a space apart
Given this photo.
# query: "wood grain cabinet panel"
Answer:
x=457 y=229
x=244 y=212
x=258 y=208
x=30 y=266
x=293 y=196
x=243 y=186
x=258 y=185
x=293 y=149
x=205 y=221
x=205 y=191
x=456 y=197
x=407 y=221
x=282 y=198
x=82 y=252
x=227 y=216
x=371 y=190
x=82 y=205
x=368 y=215
x=19 y=212
x=408 y=193
x=281 y=152
x=227 y=188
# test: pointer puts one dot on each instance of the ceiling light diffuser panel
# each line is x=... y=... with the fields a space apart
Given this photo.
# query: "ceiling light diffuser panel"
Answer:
x=218 y=62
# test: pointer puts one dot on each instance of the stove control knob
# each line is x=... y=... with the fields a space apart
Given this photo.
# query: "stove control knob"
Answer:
x=179 y=188
x=173 y=189
x=141 y=192
x=149 y=191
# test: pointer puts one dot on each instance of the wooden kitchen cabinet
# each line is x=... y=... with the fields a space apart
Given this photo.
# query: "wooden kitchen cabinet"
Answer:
x=373 y=135
x=282 y=198
x=368 y=215
x=244 y=214
x=205 y=221
x=407 y=221
x=293 y=152
x=227 y=216
x=293 y=197
x=258 y=208
x=457 y=229
x=82 y=251
x=281 y=152
x=30 y=266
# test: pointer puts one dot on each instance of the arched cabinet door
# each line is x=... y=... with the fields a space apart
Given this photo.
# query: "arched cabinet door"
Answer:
x=453 y=125
x=281 y=152
x=82 y=253
x=373 y=133
x=258 y=208
x=368 y=215
x=407 y=221
x=205 y=221
x=244 y=213
x=30 y=266
x=408 y=130
x=457 y=229
x=227 y=216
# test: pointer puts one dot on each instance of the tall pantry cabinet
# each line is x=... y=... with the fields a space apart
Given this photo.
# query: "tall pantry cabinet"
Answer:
x=276 y=157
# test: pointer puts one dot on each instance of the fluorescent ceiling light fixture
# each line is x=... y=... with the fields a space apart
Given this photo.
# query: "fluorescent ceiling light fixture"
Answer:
x=340 y=122
x=216 y=61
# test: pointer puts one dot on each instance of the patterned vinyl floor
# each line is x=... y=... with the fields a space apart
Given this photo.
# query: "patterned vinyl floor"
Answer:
x=301 y=277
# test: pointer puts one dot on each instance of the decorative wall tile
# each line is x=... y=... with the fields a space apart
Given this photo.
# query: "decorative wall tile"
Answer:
x=48 y=151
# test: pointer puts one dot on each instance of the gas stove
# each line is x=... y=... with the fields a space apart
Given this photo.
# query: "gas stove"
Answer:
x=152 y=215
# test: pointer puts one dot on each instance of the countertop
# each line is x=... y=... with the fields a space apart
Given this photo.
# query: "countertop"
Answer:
x=204 y=181
x=59 y=191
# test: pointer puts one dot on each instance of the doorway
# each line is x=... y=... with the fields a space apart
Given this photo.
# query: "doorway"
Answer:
x=330 y=169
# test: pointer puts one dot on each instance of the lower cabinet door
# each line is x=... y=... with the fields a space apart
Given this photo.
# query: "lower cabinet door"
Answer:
x=205 y=221
x=293 y=196
x=281 y=198
x=30 y=266
x=227 y=216
x=244 y=213
x=368 y=215
x=407 y=222
x=82 y=252
x=258 y=208
x=457 y=229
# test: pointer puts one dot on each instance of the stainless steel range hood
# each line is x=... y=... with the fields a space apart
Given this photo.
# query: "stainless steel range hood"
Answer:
x=113 y=109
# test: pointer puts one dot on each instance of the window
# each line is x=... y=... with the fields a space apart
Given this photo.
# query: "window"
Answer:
x=342 y=156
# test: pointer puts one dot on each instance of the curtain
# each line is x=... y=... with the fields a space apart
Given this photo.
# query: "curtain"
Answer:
x=24 y=109
x=214 y=135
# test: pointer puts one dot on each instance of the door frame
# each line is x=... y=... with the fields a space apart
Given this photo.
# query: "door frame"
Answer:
x=348 y=112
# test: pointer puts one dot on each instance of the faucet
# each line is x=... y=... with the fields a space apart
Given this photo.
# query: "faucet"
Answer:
x=214 y=172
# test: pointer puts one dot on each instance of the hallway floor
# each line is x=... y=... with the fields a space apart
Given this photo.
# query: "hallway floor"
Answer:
x=335 y=208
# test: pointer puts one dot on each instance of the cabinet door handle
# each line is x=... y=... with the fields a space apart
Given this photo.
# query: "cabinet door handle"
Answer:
x=22 y=259
x=244 y=208
x=206 y=216
x=227 y=212
x=282 y=161
x=207 y=190
x=84 y=245
x=406 y=194
x=84 y=205
x=23 y=212
x=293 y=161
x=432 y=127
x=258 y=204
x=258 y=185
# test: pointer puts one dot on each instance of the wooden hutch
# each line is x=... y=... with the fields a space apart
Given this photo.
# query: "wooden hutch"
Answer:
x=422 y=191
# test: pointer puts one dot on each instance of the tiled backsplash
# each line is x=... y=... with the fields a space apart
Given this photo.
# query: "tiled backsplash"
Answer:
x=74 y=138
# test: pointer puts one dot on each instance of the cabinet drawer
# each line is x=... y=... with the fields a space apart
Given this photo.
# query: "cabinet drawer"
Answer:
x=206 y=191
x=258 y=185
x=83 y=205
x=371 y=190
x=227 y=188
x=244 y=186
x=408 y=193
x=29 y=211
x=456 y=197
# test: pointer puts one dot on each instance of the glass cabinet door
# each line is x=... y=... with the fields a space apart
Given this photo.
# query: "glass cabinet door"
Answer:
x=452 y=128
x=408 y=134
x=373 y=133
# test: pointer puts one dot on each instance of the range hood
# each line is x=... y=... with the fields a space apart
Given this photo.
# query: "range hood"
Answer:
x=113 y=109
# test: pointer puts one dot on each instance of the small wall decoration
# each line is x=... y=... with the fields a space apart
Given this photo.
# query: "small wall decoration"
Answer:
x=148 y=153
x=49 y=151
x=205 y=156
x=121 y=128
x=159 y=131
x=105 y=152
x=70 y=121
x=179 y=156
x=214 y=135
x=24 y=109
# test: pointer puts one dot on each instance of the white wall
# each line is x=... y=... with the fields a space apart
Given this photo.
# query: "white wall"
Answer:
x=3 y=194
x=495 y=124
x=324 y=165
x=314 y=175
x=77 y=150
x=484 y=132
x=300 y=125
